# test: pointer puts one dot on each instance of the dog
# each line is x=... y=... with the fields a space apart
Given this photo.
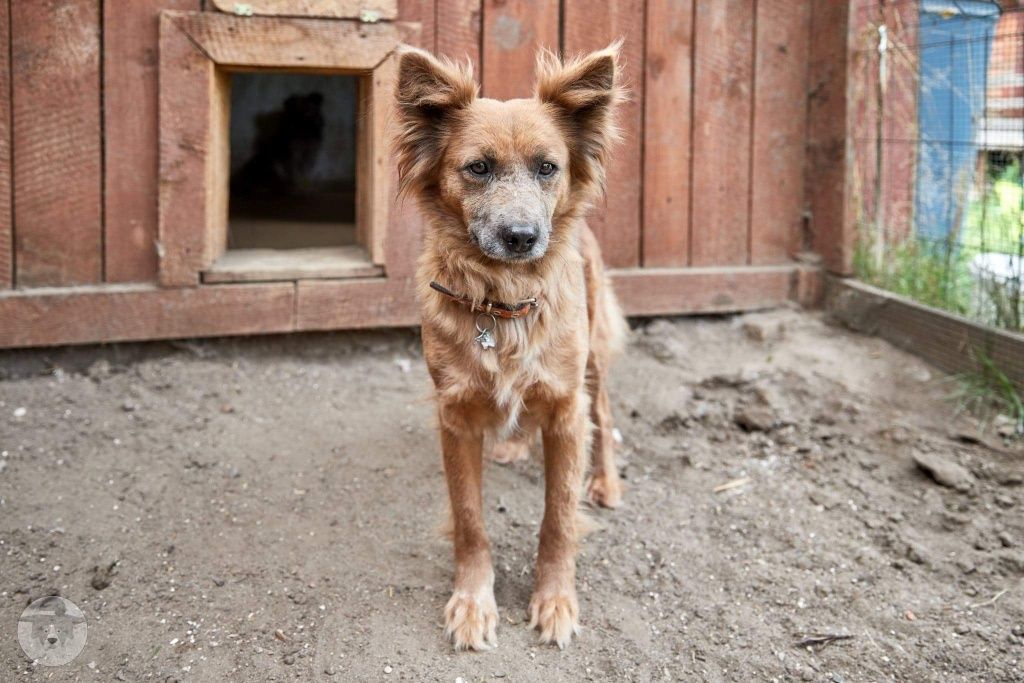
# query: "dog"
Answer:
x=519 y=320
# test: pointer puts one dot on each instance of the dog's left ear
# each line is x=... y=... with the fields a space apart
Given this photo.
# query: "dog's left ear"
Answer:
x=583 y=93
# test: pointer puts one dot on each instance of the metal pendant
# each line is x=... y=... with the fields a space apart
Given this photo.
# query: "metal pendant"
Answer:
x=486 y=337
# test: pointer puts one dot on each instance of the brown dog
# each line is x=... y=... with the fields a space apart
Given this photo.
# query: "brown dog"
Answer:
x=519 y=320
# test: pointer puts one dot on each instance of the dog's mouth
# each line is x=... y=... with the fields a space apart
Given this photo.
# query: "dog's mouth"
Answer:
x=493 y=247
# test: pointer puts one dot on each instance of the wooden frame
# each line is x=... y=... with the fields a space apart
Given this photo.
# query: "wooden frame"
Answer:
x=335 y=9
x=198 y=52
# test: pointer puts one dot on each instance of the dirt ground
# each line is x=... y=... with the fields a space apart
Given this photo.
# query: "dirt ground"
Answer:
x=268 y=510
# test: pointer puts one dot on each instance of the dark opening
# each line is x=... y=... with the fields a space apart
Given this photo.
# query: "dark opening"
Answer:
x=293 y=161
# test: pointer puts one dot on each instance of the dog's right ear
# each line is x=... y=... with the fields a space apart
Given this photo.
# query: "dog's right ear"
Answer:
x=430 y=93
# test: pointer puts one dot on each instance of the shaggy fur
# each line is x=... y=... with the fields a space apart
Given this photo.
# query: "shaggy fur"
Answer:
x=478 y=168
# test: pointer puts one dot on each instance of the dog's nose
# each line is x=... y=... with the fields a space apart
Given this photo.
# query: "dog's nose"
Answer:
x=51 y=640
x=519 y=238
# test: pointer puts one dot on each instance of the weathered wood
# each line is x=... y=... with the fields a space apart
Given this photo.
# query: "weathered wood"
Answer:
x=289 y=43
x=130 y=60
x=356 y=304
x=186 y=101
x=723 y=73
x=424 y=13
x=275 y=265
x=592 y=25
x=832 y=233
x=55 y=74
x=459 y=27
x=6 y=217
x=335 y=9
x=662 y=291
x=373 y=158
x=779 y=131
x=129 y=312
x=668 y=100
x=513 y=32
x=949 y=341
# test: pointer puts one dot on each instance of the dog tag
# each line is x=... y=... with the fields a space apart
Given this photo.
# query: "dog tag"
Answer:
x=486 y=337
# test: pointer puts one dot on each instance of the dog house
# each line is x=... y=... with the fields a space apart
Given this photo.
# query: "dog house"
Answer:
x=180 y=168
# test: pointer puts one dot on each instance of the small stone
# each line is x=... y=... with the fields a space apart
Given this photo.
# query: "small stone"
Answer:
x=755 y=418
x=387 y=669
x=962 y=629
x=1004 y=501
x=129 y=407
x=910 y=616
x=99 y=370
x=289 y=659
x=1018 y=630
x=944 y=471
x=330 y=671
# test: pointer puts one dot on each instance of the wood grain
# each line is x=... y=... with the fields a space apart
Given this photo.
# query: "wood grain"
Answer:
x=592 y=25
x=832 y=233
x=335 y=9
x=288 y=43
x=126 y=312
x=780 y=129
x=130 y=49
x=513 y=32
x=186 y=99
x=459 y=27
x=6 y=216
x=55 y=49
x=668 y=98
x=277 y=265
x=661 y=291
x=723 y=74
x=424 y=13
x=356 y=304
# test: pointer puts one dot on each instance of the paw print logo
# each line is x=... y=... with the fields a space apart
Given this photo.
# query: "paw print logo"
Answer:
x=52 y=631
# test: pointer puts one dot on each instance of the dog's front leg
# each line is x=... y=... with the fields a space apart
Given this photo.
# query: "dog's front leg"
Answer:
x=553 y=607
x=471 y=615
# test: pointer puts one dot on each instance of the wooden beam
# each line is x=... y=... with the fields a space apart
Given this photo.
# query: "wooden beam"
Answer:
x=424 y=13
x=288 y=43
x=513 y=32
x=109 y=313
x=130 y=45
x=591 y=25
x=832 y=230
x=668 y=100
x=779 y=131
x=58 y=157
x=722 y=105
x=670 y=291
x=6 y=216
x=356 y=304
x=459 y=37
x=333 y=9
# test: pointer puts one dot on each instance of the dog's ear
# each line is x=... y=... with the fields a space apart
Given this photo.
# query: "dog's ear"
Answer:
x=430 y=92
x=583 y=93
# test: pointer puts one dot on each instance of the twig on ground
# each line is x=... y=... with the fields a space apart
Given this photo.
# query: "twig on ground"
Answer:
x=735 y=483
x=822 y=640
x=990 y=601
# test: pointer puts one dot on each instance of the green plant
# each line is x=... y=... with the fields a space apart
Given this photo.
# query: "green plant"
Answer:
x=988 y=392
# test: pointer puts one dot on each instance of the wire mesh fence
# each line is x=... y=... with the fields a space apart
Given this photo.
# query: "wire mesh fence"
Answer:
x=937 y=153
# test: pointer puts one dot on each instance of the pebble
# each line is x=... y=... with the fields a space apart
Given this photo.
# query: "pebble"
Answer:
x=289 y=659
x=388 y=669
x=330 y=671
x=20 y=411
x=944 y=471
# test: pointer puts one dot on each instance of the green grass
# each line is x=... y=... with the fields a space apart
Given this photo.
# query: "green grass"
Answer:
x=988 y=392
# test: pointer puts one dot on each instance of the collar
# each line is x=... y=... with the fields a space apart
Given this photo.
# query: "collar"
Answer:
x=495 y=308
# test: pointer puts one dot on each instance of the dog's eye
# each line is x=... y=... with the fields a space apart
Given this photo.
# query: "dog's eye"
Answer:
x=479 y=168
x=546 y=169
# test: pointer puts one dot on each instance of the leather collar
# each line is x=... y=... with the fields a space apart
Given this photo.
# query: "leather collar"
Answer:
x=495 y=308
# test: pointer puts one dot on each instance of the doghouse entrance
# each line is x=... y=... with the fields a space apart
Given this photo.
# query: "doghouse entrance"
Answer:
x=293 y=179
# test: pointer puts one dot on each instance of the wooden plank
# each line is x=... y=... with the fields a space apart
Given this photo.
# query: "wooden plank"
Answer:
x=186 y=99
x=6 y=216
x=356 y=304
x=668 y=85
x=832 y=233
x=290 y=43
x=130 y=142
x=107 y=313
x=459 y=25
x=513 y=32
x=275 y=265
x=424 y=13
x=949 y=341
x=779 y=130
x=665 y=291
x=723 y=74
x=592 y=25
x=55 y=49
x=334 y=9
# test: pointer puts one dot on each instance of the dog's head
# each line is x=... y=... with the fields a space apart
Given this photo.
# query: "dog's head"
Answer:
x=506 y=174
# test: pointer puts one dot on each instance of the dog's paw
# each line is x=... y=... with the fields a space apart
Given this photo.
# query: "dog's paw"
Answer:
x=556 y=616
x=605 y=491
x=505 y=452
x=471 y=620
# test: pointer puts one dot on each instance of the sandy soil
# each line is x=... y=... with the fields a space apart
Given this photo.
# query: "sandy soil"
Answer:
x=267 y=510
